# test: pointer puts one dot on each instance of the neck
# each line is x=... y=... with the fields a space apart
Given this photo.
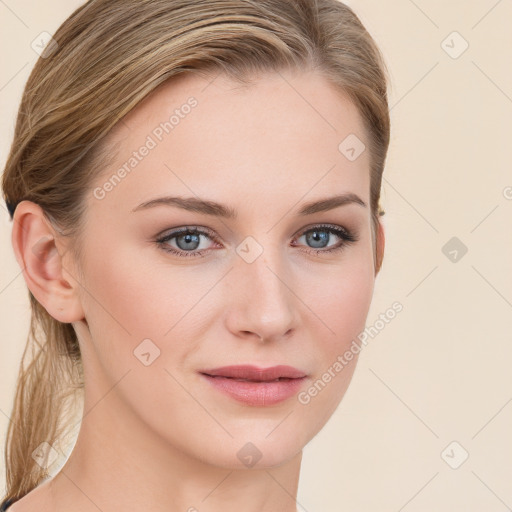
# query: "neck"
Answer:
x=120 y=463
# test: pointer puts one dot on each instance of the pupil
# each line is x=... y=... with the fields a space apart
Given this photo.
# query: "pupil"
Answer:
x=189 y=238
x=318 y=236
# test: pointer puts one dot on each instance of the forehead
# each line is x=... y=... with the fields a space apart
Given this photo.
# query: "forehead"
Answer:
x=282 y=135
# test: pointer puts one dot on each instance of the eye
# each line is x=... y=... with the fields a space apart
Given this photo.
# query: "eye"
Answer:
x=187 y=239
x=319 y=236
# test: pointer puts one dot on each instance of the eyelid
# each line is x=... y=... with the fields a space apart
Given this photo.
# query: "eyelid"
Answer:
x=169 y=234
x=172 y=233
x=214 y=236
x=187 y=229
x=320 y=225
x=347 y=237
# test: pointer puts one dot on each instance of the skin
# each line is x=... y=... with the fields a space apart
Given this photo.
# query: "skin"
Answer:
x=157 y=437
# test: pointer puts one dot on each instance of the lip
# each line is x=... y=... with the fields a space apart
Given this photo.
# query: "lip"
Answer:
x=251 y=372
x=260 y=387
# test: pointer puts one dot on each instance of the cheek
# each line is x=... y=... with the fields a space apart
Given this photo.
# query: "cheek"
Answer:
x=340 y=298
x=132 y=293
x=349 y=302
x=133 y=299
x=340 y=306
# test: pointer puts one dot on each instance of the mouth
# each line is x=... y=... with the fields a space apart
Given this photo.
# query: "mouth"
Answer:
x=247 y=380
x=256 y=386
x=255 y=374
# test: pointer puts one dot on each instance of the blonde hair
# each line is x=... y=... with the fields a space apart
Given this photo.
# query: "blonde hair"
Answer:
x=108 y=56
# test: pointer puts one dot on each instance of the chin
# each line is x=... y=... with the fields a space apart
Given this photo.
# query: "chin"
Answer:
x=253 y=452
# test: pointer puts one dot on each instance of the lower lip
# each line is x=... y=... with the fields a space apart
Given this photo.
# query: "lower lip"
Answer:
x=256 y=393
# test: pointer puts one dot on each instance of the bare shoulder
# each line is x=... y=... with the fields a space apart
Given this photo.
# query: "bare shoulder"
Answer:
x=37 y=499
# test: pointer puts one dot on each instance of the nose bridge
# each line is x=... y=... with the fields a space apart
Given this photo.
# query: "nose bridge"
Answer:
x=261 y=298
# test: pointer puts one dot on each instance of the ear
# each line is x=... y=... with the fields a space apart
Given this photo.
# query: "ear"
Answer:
x=381 y=242
x=39 y=251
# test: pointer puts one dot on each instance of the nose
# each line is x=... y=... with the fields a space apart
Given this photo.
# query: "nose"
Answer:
x=261 y=303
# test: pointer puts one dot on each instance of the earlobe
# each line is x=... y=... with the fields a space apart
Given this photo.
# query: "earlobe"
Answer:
x=35 y=244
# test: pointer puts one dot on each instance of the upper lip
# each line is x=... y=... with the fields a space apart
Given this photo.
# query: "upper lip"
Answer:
x=251 y=372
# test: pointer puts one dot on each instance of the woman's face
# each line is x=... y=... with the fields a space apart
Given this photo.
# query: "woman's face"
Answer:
x=266 y=285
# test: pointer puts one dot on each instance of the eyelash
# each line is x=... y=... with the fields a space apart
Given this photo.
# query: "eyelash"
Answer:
x=346 y=236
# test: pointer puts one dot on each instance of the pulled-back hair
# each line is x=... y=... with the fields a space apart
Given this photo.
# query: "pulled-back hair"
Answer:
x=108 y=56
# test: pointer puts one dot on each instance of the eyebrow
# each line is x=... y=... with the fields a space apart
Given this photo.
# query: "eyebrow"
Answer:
x=213 y=208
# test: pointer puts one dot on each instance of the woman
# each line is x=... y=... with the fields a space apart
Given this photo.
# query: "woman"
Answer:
x=194 y=187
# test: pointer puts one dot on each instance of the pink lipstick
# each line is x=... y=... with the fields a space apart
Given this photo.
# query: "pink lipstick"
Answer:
x=256 y=386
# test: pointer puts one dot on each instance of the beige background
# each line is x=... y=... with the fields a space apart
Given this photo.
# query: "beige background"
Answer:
x=440 y=371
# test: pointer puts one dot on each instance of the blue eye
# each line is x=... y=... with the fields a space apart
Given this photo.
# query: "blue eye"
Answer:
x=320 y=235
x=188 y=240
